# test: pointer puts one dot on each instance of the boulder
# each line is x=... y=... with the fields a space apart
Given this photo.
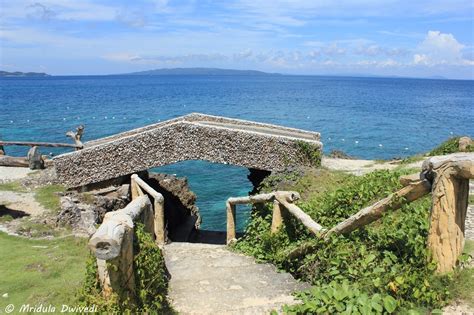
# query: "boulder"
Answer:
x=464 y=143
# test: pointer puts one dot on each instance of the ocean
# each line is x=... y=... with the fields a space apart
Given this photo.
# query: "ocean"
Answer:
x=373 y=118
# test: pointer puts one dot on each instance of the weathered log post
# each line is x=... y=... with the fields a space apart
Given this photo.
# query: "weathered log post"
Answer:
x=158 y=206
x=231 y=236
x=159 y=219
x=112 y=244
x=35 y=159
x=277 y=217
x=450 y=193
x=77 y=136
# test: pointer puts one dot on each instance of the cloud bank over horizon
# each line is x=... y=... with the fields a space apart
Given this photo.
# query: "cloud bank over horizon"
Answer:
x=422 y=39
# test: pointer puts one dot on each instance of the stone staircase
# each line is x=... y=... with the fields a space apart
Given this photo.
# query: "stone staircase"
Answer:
x=211 y=279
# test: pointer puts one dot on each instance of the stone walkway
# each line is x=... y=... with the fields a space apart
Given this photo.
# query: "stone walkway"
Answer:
x=210 y=279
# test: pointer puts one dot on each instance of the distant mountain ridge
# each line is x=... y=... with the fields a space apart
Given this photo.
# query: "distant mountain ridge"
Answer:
x=200 y=71
x=23 y=74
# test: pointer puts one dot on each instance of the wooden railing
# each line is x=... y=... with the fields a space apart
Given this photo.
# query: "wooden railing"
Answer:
x=34 y=160
x=137 y=187
x=282 y=200
x=112 y=243
x=446 y=177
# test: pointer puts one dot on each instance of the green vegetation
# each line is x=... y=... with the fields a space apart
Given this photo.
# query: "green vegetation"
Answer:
x=150 y=279
x=48 y=196
x=5 y=218
x=449 y=146
x=386 y=263
x=40 y=271
x=310 y=152
x=461 y=286
x=13 y=186
x=412 y=159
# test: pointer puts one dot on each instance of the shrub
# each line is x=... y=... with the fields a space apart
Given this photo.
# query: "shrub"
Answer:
x=151 y=280
x=449 y=146
x=386 y=259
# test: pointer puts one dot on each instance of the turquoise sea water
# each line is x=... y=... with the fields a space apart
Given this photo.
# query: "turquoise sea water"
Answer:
x=366 y=117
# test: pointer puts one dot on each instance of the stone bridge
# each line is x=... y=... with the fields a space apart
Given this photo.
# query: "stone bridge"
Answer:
x=191 y=137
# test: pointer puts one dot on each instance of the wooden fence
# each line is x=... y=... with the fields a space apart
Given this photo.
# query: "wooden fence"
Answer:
x=112 y=243
x=446 y=177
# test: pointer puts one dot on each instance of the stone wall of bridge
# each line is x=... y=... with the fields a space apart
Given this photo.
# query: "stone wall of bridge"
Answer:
x=226 y=141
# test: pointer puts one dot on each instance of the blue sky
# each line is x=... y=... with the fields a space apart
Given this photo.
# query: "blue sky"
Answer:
x=406 y=38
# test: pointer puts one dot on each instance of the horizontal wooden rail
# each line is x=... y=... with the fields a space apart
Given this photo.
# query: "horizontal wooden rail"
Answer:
x=304 y=218
x=40 y=144
x=374 y=212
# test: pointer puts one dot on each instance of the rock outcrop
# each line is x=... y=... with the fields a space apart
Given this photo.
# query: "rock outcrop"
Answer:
x=181 y=213
x=82 y=211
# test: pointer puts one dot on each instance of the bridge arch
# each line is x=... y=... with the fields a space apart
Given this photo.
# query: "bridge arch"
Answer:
x=192 y=137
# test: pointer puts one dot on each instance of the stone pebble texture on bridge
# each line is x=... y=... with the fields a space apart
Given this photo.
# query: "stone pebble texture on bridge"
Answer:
x=192 y=137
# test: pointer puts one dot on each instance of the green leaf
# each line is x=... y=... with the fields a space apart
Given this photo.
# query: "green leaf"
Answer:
x=389 y=303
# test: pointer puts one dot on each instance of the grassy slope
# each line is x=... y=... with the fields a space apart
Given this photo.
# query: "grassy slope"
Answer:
x=41 y=271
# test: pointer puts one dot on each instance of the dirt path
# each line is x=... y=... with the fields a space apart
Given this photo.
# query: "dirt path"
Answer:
x=361 y=167
x=19 y=204
x=13 y=173
x=211 y=279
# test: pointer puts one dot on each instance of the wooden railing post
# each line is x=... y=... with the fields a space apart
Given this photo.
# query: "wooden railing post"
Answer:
x=159 y=221
x=158 y=207
x=134 y=188
x=116 y=275
x=450 y=194
x=112 y=244
x=277 y=218
x=231 y=236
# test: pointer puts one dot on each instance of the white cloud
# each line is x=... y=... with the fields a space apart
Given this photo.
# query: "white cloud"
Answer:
x=40 y=11
x=439 y=49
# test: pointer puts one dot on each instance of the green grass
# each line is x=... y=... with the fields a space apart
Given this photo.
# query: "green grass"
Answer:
x=48 y=196
x=449 y=146
x=313 y=183
x=469 y=247
x=41 y=271
x=5 y=218
x=13 y=186
x=463 y=280
x=36 y=229
x=412 y=159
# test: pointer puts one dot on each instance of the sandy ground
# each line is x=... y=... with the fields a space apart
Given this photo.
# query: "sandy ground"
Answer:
x=360 y=167
x=20 y=204
x=13 y=173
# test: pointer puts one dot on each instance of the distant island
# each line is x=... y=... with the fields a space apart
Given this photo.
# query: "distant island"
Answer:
x=200 y=71
x=23 y=74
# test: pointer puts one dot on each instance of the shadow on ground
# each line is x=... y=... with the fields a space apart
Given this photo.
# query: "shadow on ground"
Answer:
x=15 y=214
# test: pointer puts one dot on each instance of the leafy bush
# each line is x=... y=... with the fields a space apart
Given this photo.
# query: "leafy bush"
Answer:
x=310 y=152
x=387 y=258
x=342 y=298
x=449 y=146
x=151 y=281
